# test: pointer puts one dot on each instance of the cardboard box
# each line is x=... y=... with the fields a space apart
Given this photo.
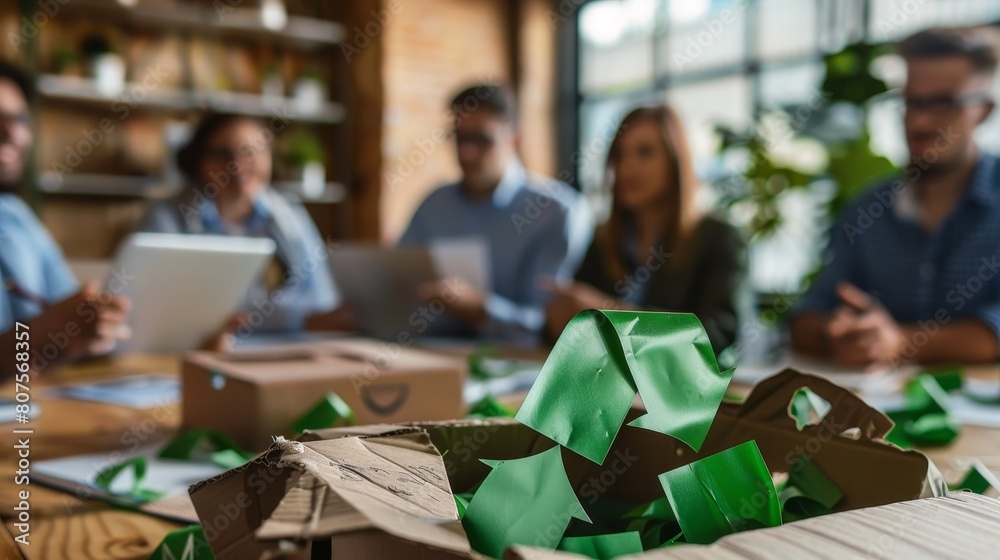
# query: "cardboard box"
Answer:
x=369 y=492
x=253 y=397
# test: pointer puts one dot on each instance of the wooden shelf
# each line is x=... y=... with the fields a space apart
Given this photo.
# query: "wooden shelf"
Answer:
x=90 y=184
x=83 y=90
x=335 y=192
x=128 y=186
x=299 y=32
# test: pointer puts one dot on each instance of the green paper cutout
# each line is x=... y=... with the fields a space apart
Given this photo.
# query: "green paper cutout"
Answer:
x=651 y=521
x=326 y=413
x=949 y=378
x=188 y=543
x=462 y=503
x=525 y=501
x=489 y=407
x=924 y=421
x=603 y=547
x=138 y=464
x=808 y=478
x=808 y=408
x=721 y=494
x=604 y=358
x=979 y=479
x=228 y=454
x=229 y=459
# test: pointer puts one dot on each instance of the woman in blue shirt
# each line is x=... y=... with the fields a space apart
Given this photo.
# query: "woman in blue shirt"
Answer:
x=227 y=164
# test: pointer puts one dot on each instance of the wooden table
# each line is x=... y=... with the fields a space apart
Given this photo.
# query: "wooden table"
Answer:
x=65 y=527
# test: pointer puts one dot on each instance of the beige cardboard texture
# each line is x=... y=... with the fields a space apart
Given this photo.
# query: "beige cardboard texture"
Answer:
x=252 y=397
x=961 y=525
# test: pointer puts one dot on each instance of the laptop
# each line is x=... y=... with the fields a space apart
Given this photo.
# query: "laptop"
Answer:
x=183 y=288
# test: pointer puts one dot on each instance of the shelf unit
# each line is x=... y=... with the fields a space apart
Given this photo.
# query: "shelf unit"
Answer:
x=312 y=42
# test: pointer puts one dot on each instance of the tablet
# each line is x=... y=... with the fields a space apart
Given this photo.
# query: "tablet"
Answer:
x=380 y=286
x=183 y=287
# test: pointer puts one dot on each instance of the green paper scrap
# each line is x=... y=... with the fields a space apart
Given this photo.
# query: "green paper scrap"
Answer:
x=604 y=358
x=603 y=547
x=525 y=501
x=326 y=413
x=228 y=454
x=188 y=543
x=808 y=408
x=651 y=521
x=924 y=421
x=462 y=503
x=489 y=407
x=721 y=494
x=949 y=378
x=137 y=493
x=797 y=505
x=979 y=479
x=808 y=478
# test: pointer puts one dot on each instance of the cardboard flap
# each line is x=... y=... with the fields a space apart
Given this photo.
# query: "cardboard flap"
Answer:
x=395 y=482
x=770 y=400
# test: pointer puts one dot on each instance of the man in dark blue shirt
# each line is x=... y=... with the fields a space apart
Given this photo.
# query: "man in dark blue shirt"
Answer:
x=915 y=269
x=45 y=317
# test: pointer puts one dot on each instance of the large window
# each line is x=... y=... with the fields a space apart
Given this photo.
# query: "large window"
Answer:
x=726 y=62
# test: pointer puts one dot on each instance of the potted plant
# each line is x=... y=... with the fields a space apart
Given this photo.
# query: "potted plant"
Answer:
x=106 y=67
x=303 y=159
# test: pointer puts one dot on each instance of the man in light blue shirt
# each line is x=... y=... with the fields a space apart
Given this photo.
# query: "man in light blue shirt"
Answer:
x=536 y=228
x=45 y=317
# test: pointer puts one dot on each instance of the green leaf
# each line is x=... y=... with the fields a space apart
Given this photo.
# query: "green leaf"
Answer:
x=721 y=494
x=525 y=501
x=604 y=358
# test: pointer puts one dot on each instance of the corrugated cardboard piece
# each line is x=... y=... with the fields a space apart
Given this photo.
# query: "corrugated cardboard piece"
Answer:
x=384 y=491
x=252 y=397
x=962 y=525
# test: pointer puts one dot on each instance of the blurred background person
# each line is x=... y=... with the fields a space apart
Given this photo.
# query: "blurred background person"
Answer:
x=534 y=227
x=37 y=288
x=657 y=251
x=227 y=164
x=929 y=263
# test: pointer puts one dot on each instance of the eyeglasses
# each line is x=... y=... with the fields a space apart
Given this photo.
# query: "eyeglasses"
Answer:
x=945 y=105
x=479 y=140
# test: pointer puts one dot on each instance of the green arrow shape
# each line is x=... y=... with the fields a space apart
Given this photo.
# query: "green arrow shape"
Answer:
x=604 y=358
x=525 y=501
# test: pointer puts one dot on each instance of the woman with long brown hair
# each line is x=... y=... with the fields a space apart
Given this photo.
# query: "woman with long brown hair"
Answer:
x=658 y=251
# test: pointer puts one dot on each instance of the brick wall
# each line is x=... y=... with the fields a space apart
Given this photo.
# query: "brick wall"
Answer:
x=433 y=48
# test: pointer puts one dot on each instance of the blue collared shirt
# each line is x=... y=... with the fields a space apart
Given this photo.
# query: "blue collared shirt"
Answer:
x=31 y=259
x=308 y=286
x=879 y=245
x=534 y=227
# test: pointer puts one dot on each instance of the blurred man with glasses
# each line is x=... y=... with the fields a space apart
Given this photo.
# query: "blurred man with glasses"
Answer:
x=536 y=228
x=915 y=268
x=37 y=289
